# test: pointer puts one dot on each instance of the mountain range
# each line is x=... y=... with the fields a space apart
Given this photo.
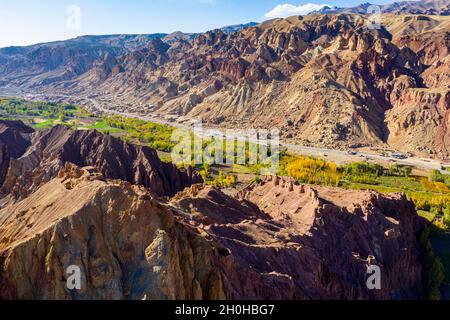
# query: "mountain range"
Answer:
x=71 y=198
x=426 y=7
x=139 y=228
x=324 y=79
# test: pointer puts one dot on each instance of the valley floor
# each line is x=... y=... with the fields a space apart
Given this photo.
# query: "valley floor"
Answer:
x=383 y=157
x=432 y=199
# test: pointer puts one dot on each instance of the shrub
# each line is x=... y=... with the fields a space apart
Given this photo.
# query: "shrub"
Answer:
x=400 y=170
x=406 y=170
x=431 y=203
x=437 y=176
x=363 y=168
x=432 y=268
x=157 y=136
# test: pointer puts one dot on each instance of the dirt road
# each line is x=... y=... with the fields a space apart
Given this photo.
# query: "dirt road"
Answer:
x=333 y=155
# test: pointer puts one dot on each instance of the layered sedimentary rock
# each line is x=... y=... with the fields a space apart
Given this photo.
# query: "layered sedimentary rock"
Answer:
x=324 y=79
x=127 y=244
x=421 y=115
x=274 y=240
x=40 y=156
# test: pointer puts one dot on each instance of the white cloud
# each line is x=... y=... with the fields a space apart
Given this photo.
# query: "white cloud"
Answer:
x=287 y=10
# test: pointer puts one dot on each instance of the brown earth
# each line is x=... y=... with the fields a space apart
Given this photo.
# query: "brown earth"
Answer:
x=33 y=158
x=275 y=240
x=323 y=80
x=271 y=240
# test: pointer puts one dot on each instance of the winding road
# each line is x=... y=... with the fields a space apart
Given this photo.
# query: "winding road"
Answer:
x=334 y=155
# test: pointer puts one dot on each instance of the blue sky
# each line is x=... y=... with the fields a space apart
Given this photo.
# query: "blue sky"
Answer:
x=24 y=22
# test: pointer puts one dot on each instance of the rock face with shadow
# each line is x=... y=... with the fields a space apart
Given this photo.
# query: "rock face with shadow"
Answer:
x=325 y=79
x=14 y=140
x=33 y=158
x=273 y=240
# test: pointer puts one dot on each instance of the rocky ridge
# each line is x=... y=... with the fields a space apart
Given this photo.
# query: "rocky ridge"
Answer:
x=64 y=205
x=323 y=80
x=430 y=7
x=45 y=153
x=265 y=243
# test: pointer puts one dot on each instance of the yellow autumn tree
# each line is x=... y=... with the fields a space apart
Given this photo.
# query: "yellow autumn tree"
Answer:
x=314 y=171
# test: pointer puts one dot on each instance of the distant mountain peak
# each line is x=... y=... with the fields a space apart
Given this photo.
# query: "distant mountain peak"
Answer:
x=432 y=7
x=238 y=27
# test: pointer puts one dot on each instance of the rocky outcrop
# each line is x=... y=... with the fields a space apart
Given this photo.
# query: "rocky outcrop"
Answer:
x=127 y=245
x=275 y=240
x=329 y=74
x=48 y=151
x=298 y=242
x=14 y=140
x=55 y=62
x=420 y=121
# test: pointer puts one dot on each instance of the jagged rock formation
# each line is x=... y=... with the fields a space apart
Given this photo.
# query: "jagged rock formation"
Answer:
x=43 y=154
x=431 y=7
x=14 y=140
x=275 y=240
x=323 y=80
x=128 y=244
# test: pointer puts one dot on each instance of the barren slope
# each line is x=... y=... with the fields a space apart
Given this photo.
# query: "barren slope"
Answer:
x=323 y=80
x=295 y=243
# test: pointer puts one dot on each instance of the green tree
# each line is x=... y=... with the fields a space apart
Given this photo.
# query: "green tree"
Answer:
x=406 y=170
x=437 y=176
x=447 y=215
x=432 y=268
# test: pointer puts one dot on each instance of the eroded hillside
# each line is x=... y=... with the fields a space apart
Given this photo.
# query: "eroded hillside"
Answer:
x=323 y=80
x=274 y=239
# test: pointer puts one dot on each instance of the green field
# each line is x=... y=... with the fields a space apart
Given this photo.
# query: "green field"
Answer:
x=45 y=124
x=101 y=126
x=22 y=107
x=431 y=195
